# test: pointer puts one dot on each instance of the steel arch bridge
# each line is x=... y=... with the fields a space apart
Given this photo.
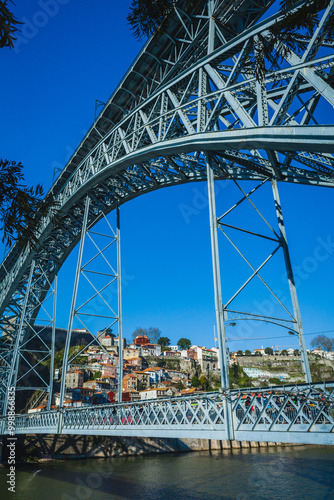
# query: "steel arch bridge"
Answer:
x=188 y=109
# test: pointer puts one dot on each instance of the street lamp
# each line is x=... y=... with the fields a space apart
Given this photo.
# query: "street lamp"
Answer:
x=230 y=324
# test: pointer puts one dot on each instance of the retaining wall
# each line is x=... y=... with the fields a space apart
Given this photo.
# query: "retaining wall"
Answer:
x=61 y=447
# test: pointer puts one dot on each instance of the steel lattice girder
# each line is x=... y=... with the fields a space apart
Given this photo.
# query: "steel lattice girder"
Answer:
x=176 y=101
x=301 y=413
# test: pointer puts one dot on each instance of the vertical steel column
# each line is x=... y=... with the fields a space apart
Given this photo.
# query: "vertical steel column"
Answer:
x=214 y=240
x=292 y=286
x=53 y=340
x=119 y=287
x=74 y=298
x=220 y=314
x=15 y=364
x=221 y=334
x=211 y=35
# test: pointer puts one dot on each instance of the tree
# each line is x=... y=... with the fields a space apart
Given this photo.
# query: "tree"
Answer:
x=141 y=386
x=81 y=360
x=240 y=353
x=8 y=26
x=323 y=342
x=108 y=331
x=296 y=352
x=164 y=341
x=284 y=352
x=195 y=381
x=21 y=208
x=184 y=343
x=204 y=382
x=268 y=350
x=146 y=16
x=275 y=381
x=265 y=50
x=152 y=333
x=139 y=331
x=237 y=377
x=247 y=352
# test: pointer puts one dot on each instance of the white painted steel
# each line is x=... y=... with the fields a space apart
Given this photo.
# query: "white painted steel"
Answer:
x=302 y=413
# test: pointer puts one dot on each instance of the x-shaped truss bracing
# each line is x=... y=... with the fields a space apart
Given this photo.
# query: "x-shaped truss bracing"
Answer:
x=98 y=265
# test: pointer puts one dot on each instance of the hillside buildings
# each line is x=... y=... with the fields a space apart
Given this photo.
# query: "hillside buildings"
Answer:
x=149 y=373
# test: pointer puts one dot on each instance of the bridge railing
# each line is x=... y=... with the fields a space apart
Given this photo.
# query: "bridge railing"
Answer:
x=34 y=423
x=205 y=410
x=307 y=408
x=257 y=414
x=198 y=410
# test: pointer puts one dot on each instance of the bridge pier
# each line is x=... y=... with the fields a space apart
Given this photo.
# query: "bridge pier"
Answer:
x=220 y=311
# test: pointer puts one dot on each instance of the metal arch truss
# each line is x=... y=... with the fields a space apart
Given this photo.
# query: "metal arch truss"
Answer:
x=188 y=91
x=25 y=351
x=289 y=414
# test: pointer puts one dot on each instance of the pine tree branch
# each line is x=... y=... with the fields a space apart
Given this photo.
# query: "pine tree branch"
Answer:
x=8 y=25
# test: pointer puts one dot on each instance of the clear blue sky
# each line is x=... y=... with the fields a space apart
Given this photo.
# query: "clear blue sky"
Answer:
x=76 y=52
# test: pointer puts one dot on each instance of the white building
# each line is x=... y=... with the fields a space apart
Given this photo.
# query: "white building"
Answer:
x=150 y=349
x=153 y=393
x=68 y=395
x=116 y=342
x=157 y=350
x=259 y=351
x=323 y=354
x=207 y=358
x=257 y=373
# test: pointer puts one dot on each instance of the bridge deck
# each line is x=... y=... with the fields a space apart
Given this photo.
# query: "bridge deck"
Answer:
x=291 y=414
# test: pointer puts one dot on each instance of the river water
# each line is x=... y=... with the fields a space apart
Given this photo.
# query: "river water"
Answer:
x=278 y=473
